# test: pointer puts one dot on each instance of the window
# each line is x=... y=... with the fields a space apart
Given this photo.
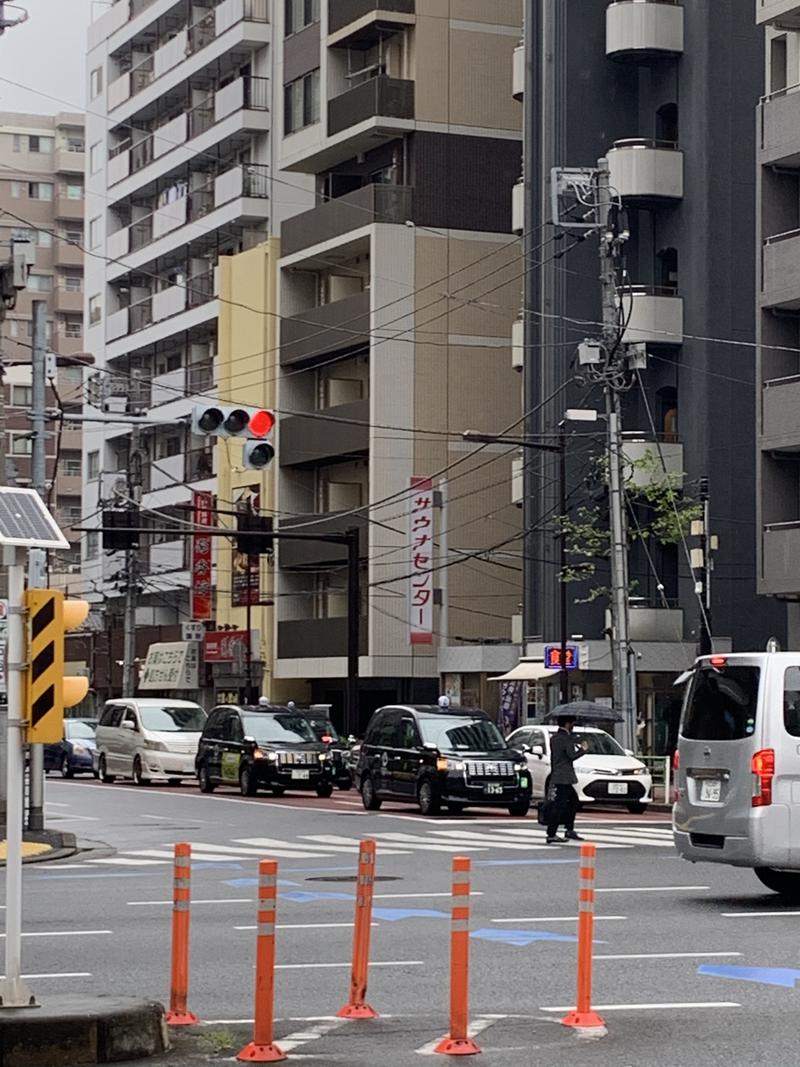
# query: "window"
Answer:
x=75 y=236
x=95 y=157
x=75 y=143
x=95 y=310
x=477 y=735
x=92 y=544
x=73 y=327
x=300 y=13
x=74 y=190
x=37 y=143
x=17 y=142
x=40 y=190
x=791 y=701
x=778 y=67
x=73 y=513
x=21 y=396
x=95 y=82
x=72 y=467
x=40 y=283
x=112 y=715
x=301 y=102
x=721 y=703
x=73 y=283
x=94 y=232
x=667 y=123
x=16 y=190
x=21 y=444
x=93 y=465
x=13 y=328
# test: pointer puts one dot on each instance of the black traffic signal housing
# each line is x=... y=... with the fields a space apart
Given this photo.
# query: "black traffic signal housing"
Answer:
x=121 y=529
x=252 y=524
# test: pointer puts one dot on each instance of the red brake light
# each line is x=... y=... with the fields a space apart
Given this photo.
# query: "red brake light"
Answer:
x=676 y=760
x=326 y=738
x=261 y=422
x=763 y=767
x=719 y=661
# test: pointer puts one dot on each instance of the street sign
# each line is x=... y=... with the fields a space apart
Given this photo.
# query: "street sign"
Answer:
x=552 y=657
x=193 y=631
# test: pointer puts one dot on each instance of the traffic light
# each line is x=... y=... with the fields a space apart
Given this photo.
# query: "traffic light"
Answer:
x=47 y=690
x=250 y=523
x=121 y=529
x=213 y=420
x=257 y=455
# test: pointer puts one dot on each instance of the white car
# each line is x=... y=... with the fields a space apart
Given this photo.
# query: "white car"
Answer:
x=607 y=773
x=148 y=740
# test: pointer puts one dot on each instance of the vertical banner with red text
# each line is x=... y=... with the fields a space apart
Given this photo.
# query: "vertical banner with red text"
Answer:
x=201 y=591
x=420 y=584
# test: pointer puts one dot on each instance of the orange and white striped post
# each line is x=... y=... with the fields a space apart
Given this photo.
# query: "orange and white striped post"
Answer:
x=262 y=1049
x=179 y=1014
x=458 y=1042
x=583 y=1018
x=356 y=1006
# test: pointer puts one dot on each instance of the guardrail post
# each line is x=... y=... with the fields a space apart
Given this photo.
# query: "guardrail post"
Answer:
x=356 y=1006
x=458 y=1042
x=583 y=1018
x=262 y=1049
x=179 y=1014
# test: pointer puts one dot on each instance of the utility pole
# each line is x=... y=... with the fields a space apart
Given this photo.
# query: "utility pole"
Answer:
x=134 y=485
x=702 y=560
x=353 y=628
x=37 y=557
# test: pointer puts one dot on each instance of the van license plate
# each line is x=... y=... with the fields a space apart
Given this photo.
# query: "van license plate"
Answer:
x=493 y=788
x=301 y=774
x=617 y=788
x=710 y=789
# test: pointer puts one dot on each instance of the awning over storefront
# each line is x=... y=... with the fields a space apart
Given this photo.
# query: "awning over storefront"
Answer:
x=526 y=670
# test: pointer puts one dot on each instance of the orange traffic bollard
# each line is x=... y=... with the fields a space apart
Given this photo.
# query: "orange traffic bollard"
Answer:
x=583 y=1018
x=458 y=1042
x=357 y=1007
x=179 y=1014
x=261 y=1049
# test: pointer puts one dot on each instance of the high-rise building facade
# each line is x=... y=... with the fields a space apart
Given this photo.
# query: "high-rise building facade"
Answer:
x=41 y=201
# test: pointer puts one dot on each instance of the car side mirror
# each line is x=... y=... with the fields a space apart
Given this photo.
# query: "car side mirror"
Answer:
x=128 y=725
x=628 y=751
x=250 y=742
x=430 y=747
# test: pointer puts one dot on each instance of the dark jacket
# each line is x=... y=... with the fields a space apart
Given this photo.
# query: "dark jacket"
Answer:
x=564 y=750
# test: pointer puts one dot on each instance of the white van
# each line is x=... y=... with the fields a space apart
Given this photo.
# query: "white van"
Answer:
x=737 y=798
x=148 y=740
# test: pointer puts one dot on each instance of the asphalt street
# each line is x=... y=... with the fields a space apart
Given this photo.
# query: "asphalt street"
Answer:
x=694 y=965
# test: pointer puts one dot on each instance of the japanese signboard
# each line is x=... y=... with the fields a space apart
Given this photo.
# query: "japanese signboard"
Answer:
x=171 y=665
x=201 y=592
x=420 y=584
x=552 y=657
x=226 y=646
x=192 y=631
x=246 y=581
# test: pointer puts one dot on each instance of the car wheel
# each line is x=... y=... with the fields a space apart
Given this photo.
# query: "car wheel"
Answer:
x=96 y=774
x=520 y=808
x=637 y=808
x=103 y=772
x=324 y=790
x=345 y=786
x=369 y=797
x=138 y=776
x=278 y=790
x=786 y=883
x=427 y=798
x=247 y=782
x=204 y=779
x=456 y=809
x=66 y=770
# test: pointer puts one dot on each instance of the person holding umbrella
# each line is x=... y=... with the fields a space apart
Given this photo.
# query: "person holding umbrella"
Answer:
x=564 y=750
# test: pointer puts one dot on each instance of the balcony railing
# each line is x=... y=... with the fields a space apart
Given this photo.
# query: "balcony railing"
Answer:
x=199 y=378
x=382 y=96
x=333 y=218
x=199 y=464
x=342 y=12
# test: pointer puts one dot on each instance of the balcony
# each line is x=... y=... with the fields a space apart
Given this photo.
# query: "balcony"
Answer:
x=779 y=128
x=334 y=218
x=313 y=555
x=780 y=415
x=317 y=638
x=67 y=208
x=783 y=14
x=646 y=460
x=644 y=29
x=781 y=551
x=642 y=169
x=518 y=207
x=654 y=316
x=518 y=72
x=199 y=464
x=199 y=378
x=334 y=433
x=357 y=23
x=68 y=254
x=380 y=98
x=69 y=161
x=318 y=332
x=67 y=301
x=780 y=271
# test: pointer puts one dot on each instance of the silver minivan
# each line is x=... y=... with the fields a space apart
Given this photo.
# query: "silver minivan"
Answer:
x=737 y=797
x=149 y=740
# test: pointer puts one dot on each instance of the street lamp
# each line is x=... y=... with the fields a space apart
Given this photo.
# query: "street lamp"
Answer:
x=560 y=449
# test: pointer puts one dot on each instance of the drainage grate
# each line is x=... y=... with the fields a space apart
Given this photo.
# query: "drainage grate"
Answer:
x=352 y=878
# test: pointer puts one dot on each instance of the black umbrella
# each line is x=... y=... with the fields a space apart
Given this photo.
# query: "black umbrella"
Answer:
x=584 y=711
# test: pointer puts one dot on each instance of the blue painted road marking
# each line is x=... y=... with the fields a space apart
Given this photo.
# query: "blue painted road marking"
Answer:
x=303 y=896
x=782 y=976
x=393 y=914
x=245 y=883
x=520 y=938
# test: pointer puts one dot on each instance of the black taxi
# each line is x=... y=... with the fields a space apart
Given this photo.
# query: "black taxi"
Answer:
x=435 y=755
x=261 y=747
x=318 y=717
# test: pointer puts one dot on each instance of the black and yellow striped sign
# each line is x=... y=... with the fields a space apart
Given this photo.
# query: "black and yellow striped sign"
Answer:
x=47 y=691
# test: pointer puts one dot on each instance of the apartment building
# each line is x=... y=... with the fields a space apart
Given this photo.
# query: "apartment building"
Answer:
x=778 y=309
x=645 y=83
x=178 y=147
x=397 y=294
x=41 y=201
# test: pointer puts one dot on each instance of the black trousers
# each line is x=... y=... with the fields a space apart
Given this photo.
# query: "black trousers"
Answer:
x=565 y=808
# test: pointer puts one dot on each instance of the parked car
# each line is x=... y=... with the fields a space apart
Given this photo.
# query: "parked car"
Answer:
x=148 y=740
x=606 y=773
x=435 y=756
x=74 y=754
x=262 y=747
x=318 y=718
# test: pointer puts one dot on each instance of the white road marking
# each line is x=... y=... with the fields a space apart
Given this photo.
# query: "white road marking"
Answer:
x=60 y=974
x=347 y=966
x=311 y=1033
x=62 y=933
x=651 y=1007
x=609 y=837
x=757 y=914
x=424 y=843
x=330 y=843
x=476 y=1027
x=652 y=889
x=124 y=861
x=306 y=926
x=470 y=837
x=419 y=896
x=667 y=955
x=221 y=900
x=562 y=919
x=171 y=818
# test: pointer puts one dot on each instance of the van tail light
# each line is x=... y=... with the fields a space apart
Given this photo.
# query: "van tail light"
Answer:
x=676 y=766
x=763 y=768
x=676 y=760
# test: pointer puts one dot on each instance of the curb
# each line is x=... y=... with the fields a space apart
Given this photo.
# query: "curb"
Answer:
x=62 y=846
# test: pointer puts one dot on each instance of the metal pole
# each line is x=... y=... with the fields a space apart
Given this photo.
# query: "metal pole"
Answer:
x=14 y=993
x=563 y=676
x=353 y=629
x=37 y=557
x=706 y=643
x=444 y=548
x=131 y=572
x=249 y=624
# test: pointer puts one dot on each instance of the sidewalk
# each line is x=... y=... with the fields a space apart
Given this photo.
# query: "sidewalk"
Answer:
x=43 y=845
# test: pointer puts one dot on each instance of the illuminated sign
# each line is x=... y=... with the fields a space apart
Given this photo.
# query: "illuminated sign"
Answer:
x=552 y=657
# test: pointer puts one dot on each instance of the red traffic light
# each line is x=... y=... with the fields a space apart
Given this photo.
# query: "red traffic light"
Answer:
x=261 y=423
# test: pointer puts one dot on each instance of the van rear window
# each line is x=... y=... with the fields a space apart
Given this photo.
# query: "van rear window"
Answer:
x=721 y=703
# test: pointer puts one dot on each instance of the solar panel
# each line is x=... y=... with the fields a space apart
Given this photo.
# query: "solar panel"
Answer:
x=25 y=520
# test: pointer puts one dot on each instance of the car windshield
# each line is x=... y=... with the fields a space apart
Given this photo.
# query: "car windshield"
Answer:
x=600 y=744
x=465 y=735
x=79 y=730
x=721 y=703
x=323 y=728
x=172 y=720
x=288 y=728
